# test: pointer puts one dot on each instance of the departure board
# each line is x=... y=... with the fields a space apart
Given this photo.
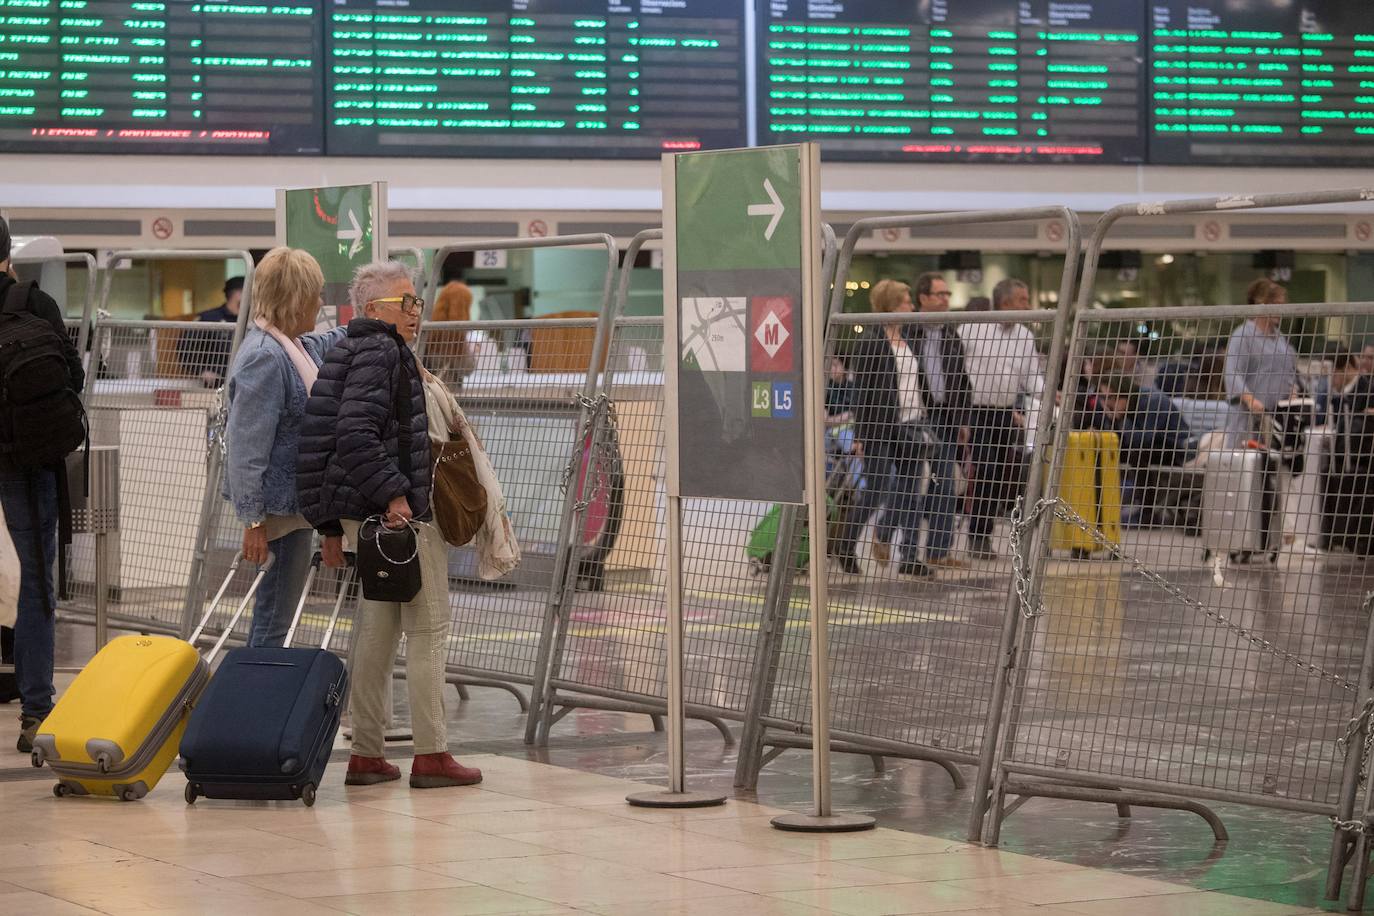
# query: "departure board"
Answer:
x=566 y=78
x=954 y=80
x=1273 y=83
x=167 y=77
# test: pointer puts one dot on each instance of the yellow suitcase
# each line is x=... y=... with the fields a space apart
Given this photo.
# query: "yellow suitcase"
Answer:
x=116 y=729
x=1090 y=482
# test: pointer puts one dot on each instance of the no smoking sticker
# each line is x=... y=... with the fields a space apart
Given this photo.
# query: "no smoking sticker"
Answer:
x=770 y=334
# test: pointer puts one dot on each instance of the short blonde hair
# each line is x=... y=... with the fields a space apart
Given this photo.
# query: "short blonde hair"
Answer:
x=287 y=285
x=887 y=295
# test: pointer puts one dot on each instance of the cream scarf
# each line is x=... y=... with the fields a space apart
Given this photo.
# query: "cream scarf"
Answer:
x=300 y=360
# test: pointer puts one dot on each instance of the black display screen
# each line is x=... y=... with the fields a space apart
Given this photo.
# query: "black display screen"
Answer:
x=954 y=80
x=1273 y=83
x=564 y=78
x=165 y=77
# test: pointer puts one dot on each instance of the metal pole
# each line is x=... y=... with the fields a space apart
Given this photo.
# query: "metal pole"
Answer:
x=102 y=590
x=815 y=323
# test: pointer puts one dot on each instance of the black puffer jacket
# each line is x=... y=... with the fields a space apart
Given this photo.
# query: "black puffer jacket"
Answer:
x=347 y=467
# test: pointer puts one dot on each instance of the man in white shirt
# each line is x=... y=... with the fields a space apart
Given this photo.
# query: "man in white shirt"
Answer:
x=1003 y=365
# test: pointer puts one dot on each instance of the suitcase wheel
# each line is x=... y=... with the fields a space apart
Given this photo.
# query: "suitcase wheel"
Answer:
x=191 y=793
x=36 y=758
x=60 y=790
x=308 y=794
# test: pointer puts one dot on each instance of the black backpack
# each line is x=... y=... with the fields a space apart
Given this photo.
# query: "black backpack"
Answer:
x=41 y=417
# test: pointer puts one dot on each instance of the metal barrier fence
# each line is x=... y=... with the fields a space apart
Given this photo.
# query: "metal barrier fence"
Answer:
x=608 y=650
x=527 y=386
x=929 y=444
x=1192 y=621
x=151 y=393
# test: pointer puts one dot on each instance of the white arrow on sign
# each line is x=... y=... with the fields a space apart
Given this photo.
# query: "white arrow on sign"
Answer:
x=773 y=209
x=354 y=235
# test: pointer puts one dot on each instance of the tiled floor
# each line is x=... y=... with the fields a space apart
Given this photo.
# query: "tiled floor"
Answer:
x=532 y=839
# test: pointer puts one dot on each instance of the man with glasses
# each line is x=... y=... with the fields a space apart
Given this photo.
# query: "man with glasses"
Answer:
x=947 y=397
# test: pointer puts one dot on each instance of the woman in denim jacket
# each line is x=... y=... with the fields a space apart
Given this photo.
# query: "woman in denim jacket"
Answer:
x=268 y=385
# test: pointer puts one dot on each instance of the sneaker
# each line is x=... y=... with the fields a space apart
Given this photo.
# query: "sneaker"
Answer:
x=882 y=553
x=368 y=771
x=28 y=730
x=946 y=562
x=438 y=771
x=914 y=568
x=850 y=566
x=980 y=548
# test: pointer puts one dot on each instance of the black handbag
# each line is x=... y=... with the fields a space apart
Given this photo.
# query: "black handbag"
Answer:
x=388 y=561
x=389 y=558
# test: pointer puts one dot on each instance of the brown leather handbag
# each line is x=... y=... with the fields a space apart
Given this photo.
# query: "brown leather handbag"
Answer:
x=460 y=500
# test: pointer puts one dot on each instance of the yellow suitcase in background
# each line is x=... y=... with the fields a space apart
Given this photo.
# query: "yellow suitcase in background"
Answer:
x=116 y=729
x=1090 y=482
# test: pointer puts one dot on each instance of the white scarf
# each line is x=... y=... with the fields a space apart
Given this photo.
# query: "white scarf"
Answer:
x=300 y=360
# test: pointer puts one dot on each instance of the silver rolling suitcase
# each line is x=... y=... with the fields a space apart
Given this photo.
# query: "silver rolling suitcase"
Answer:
x=1240 y=516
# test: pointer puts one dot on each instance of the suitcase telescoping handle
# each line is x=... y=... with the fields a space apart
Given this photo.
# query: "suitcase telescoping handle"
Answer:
x=238 y=612
x=350 y=564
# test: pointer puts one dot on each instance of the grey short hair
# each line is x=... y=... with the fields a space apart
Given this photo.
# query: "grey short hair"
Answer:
x=1005 y=289
x=371 y=280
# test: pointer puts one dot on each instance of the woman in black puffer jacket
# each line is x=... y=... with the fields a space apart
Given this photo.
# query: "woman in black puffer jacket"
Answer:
x=348 y=471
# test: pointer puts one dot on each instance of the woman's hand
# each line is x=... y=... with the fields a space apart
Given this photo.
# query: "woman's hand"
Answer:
x=398 y=512
x=255 y=545
x=331 y=552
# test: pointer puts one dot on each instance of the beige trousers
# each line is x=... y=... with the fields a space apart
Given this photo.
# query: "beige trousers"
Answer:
x=426 y=621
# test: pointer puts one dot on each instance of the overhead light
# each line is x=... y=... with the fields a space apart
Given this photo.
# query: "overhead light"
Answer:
x=863 y=284
x=1166 y=259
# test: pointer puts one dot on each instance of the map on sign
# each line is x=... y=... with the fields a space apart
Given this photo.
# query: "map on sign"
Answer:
x=713 y=333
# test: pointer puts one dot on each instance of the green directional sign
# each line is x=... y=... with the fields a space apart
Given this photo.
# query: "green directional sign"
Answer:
x=343 y=227
x=741 y=279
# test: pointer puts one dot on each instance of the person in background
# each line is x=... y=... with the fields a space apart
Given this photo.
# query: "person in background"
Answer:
x=946 y=398
x=448 y=352
x=206 y=354
x=34 y=510
x=980 y=304
x=1127 y=363
x=843 y=464
x=1152 y=433
x=1367 y=359
x=269 y=382
x=1003 y=366
x=1261 y=366
x=888 y=414
x=1345 y=376
x=350 y=470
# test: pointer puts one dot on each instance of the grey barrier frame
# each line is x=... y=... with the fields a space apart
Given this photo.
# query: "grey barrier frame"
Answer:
x=996 y=775
x=214 y=467
x=766 y=747
x=585 y=411
x=563 y=695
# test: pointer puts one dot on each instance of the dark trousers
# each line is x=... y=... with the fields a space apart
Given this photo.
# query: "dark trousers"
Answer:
x=35 y=540
x=998 y=466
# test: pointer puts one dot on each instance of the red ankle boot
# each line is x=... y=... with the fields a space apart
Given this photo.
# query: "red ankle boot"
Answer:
x=367 y=771
x=437 y=771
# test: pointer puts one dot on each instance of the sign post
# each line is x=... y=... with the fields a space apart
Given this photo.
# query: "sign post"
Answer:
x=343 y=227
x=743 y=383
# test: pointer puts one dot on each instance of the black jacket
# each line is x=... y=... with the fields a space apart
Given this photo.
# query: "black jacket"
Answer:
x=347 y=467
x=877 y=410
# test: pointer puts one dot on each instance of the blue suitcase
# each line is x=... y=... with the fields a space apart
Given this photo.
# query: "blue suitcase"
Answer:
x=264 y=728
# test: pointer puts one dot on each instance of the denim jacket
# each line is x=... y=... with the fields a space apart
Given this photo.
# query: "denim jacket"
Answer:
x=266 y=404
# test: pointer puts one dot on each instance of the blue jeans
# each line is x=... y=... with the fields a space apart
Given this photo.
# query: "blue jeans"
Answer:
x=33 y=628
x=940 y=503
x=894 y=491
x=280 y=591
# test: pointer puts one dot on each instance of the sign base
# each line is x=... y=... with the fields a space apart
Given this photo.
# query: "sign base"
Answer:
x=665 y=799
x=834 y=823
